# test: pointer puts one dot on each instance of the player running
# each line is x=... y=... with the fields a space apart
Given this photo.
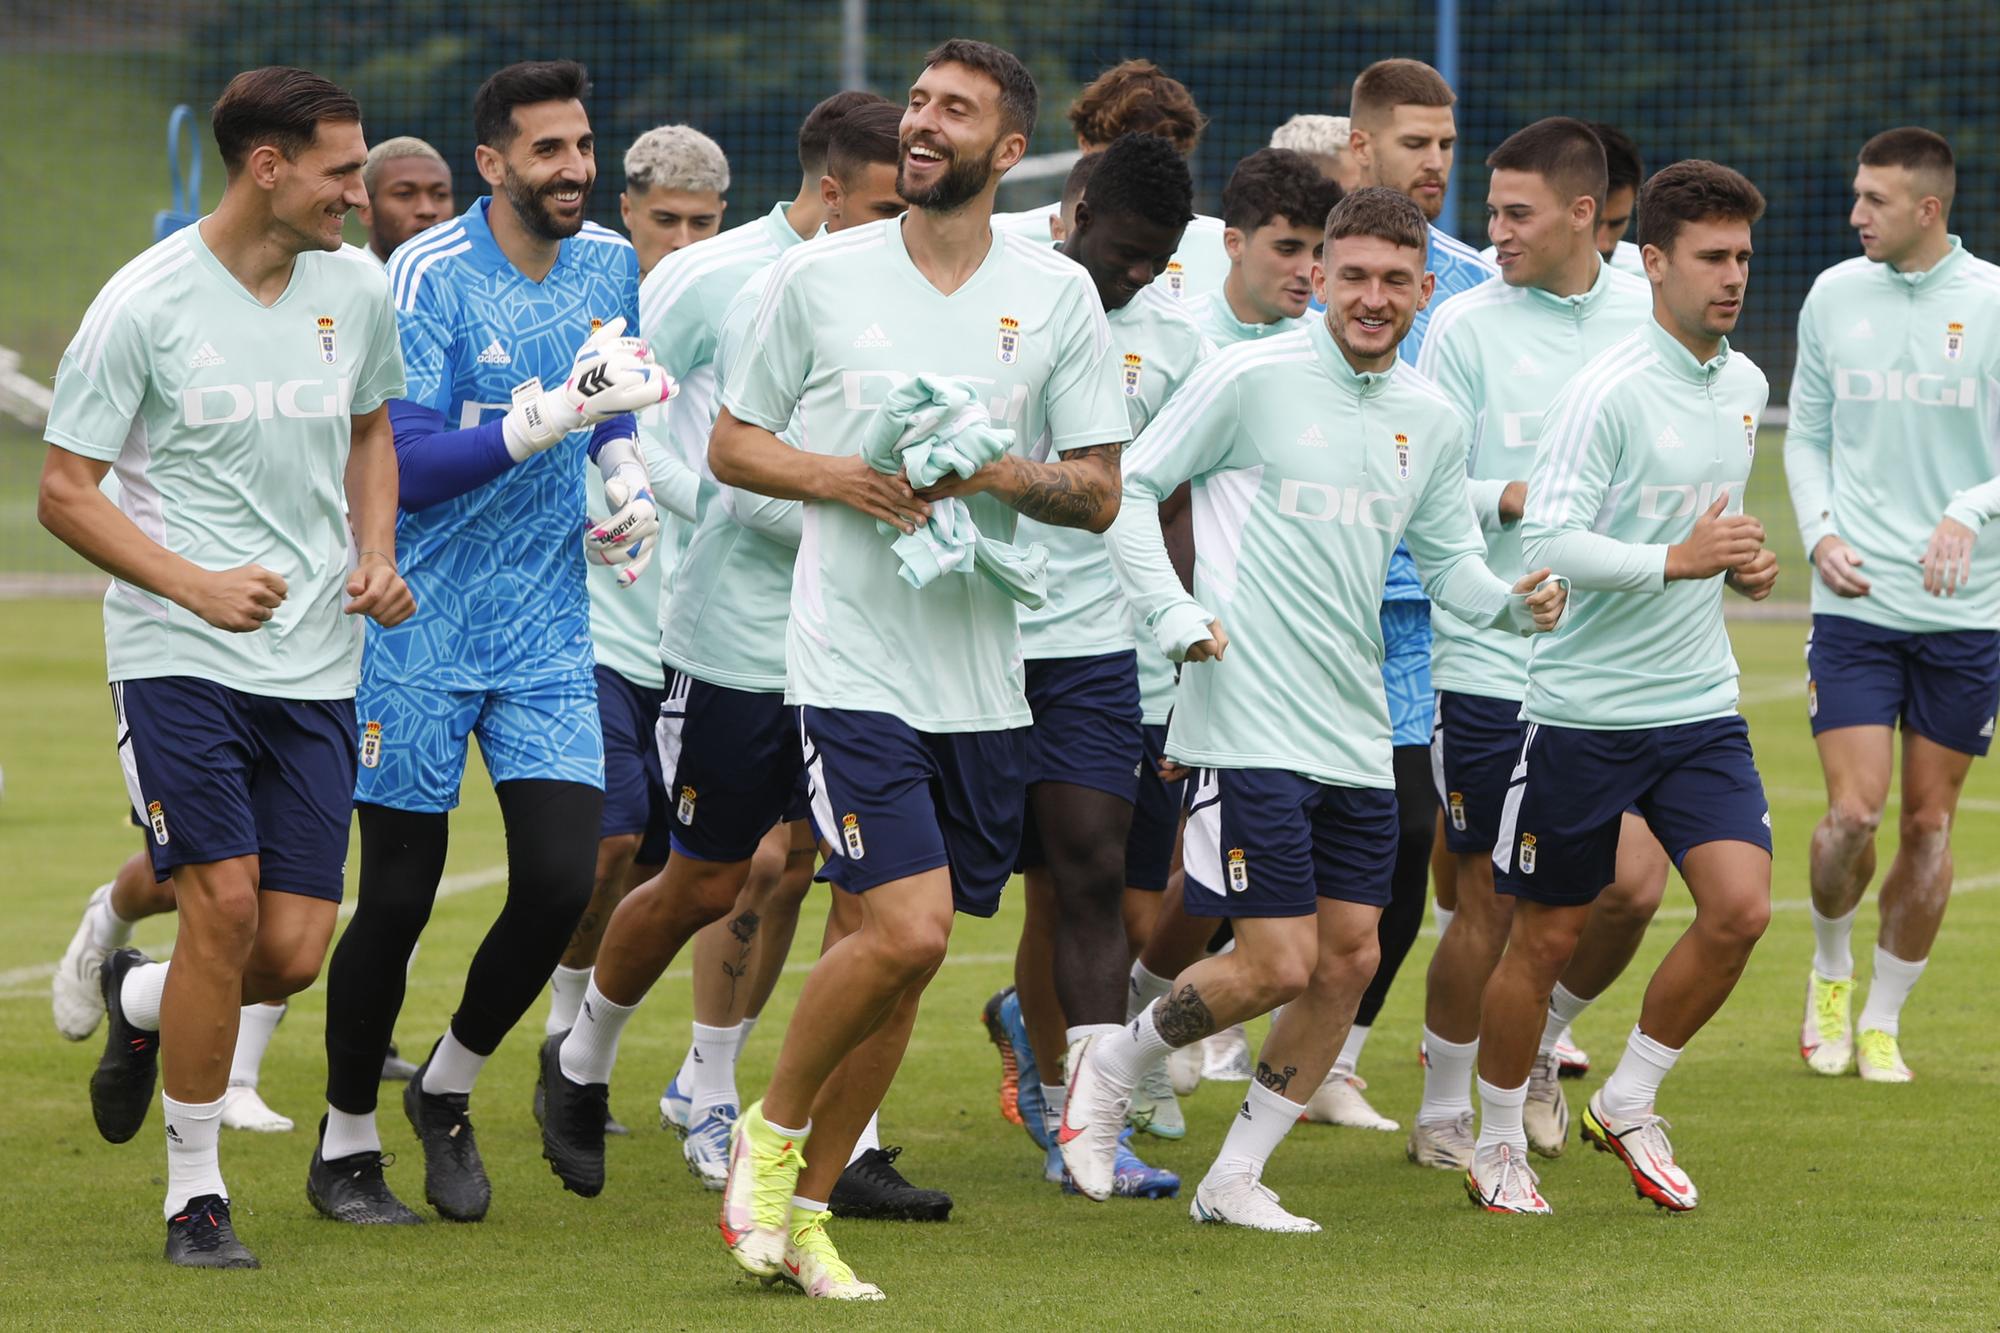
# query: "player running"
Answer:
x=250 y=354
x=519 y=300
x=1636 y=498
x=1501 y=353
x=1311 y=455
x=1890 y=455
x=913 y=721
x=1088 y=765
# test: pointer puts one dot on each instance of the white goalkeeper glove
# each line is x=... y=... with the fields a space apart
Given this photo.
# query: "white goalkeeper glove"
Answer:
x=625 y=541
x=610 y=374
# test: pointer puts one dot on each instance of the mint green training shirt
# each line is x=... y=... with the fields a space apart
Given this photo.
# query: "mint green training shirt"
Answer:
x=1636 y=447
x=1501 y=354
x=1895 y=410
x=1219 y=322
x=1305 y=476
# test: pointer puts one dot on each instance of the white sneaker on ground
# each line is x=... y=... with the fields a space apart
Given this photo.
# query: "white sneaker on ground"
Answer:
x=1572 y=1061
x=1501 y=1181
x=1545 y=1115
x=1239 y=1199
x=242 y=1108
x=1339 y=1102
x=1445 y=1145
x=1184 y=1069
x=1225 y=1056
x=815 y=1267
x=1155 y=1108
x=1093 y=1117
x=1826 y=1037
x=1880 y=1058
x=75 y=992
x=706 y=1148
x=1642 y=1145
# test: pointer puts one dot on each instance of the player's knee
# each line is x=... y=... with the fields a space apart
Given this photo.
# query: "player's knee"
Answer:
x=912 y=946
x=615 y=854
x=275 y=979
x=1738 y=925
x=1353 y=963
x=222 y=921
x=1926 y=828
x=1853 y=822
x=1630 y=904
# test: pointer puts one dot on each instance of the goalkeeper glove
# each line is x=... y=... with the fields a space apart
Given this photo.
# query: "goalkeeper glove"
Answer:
x=611 y=374
x=626 y=541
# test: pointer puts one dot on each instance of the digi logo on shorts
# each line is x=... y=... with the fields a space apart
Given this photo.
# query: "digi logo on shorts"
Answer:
x=1349 y=506
x=300 y=400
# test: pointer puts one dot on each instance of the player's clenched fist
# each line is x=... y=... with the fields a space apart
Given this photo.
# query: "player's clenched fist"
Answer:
x=238 y=600
x=377 y=591
x=1719 y=543
x=1546 y=597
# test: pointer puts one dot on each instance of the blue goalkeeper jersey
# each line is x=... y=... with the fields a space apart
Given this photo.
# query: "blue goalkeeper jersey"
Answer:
x=1458 y=268
x=498 y=572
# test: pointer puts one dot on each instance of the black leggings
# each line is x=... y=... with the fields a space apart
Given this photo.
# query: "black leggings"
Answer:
x=551 y=859
x=1409 y=884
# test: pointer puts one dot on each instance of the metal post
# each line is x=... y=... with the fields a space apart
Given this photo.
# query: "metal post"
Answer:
x=854 y=43
x=1447 y=65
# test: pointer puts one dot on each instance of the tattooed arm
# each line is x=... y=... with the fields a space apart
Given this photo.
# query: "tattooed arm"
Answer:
x=1081 y=489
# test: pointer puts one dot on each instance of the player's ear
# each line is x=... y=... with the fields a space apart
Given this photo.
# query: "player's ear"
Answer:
x=263 y=164
x=1013 y=147
x=492 y=166
x=829 y=194
x=1233 y=241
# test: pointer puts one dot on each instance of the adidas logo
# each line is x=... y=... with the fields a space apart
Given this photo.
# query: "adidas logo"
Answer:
x=173 y=1135
x=494 y=355
x=872 y=336
x=1310 y=437
x=1863 y=329
x=1668 y=439
x=1525 y=366
x=1987 y=730
x=204 y=357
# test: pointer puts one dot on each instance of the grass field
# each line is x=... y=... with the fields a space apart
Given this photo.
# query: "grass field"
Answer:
x=1824 y=1202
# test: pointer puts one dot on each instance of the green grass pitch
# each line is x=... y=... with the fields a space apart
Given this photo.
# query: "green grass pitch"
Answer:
x=1823 y=1203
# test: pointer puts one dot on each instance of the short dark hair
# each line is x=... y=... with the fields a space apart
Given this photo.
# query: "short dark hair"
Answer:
x=1137 y=95
x=1020 y=101
x=1623 y=167
x=1381 y=212
x=1923 y=152
x=1144 y=176
x=868 y=135
x=1277 y=183
x=1564 y=152
x=1079 y=176
x=280 y=106
x=816 y=130
x=1388 y=84
x=523 y=84
x=1695 y=190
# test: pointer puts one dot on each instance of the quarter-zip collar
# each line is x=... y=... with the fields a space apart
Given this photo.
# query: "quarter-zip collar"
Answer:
x=1363 y=384
x=1679 y=361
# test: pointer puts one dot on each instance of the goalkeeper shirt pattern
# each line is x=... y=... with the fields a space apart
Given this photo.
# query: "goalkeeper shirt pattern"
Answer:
x=497 y=572
x=1895 y=410
x=227 y=424
x=1637 y=447
x=1501 y=353
x=1306 y=475
x=843 y=322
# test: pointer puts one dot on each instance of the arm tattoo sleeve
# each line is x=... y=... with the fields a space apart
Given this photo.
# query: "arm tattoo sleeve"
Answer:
x=1068 y=496
x=1183 y=1018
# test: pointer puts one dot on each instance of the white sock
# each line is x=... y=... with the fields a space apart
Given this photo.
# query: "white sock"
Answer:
x=743 y=1031
x=591 y=1047
x=713 y=1056
x=1255 y=1132
x=348 y=1134
x=1127 y=1053
x=1073 y=1035
x=253 y=1034
x=1145 y=987
x=685 y=1078
x=1500 y=1116
x=565 y=997
x=1634 y=1085
x=108 y=930
x=1349 y=1058
x=1565 y=1007
x=1443 y=916
x=1055 y=1096
x=1447 y=1078
x=192 y=1167
x=871 y=1137
x=139 y=995
x=452 y=1068
x=1887 y=991
x=1833 y=938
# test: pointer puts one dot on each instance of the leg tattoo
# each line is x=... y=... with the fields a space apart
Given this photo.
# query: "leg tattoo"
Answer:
x=1277 y=1080
x=1183 y=1018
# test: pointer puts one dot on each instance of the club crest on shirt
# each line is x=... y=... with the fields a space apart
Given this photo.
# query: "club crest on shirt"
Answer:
x=327 y=352
x=1457 y=804
x=1176 y=279
x=157 y=817
x=685 y=811
x=371 y=745
x=850 y=833
x=1010 y=340
x=1954 y=341
x=1403 y=457
x=1239 y=871
x=1750 y=435
x=1527 y=854
x=1133 y=361
x=596 y=324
